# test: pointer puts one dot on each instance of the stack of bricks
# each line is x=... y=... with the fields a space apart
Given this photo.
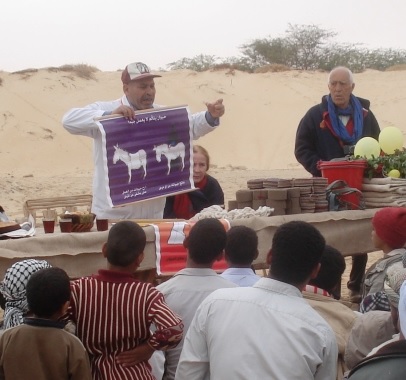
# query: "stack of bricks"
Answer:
x=285 y=196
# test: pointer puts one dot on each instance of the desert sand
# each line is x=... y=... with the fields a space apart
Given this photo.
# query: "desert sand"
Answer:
x=38 y=158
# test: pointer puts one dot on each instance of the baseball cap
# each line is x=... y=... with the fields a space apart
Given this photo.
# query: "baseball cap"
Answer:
x=136 y=71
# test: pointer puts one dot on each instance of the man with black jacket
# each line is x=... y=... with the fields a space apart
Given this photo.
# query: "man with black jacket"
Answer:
x=330 y=130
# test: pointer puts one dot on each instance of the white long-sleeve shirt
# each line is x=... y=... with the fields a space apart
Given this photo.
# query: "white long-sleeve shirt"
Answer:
x=267 y=331
x=183 y=294
x=81 y=121
x=241 y=276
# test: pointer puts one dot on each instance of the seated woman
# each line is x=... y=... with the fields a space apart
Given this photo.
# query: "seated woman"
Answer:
x=208 y=193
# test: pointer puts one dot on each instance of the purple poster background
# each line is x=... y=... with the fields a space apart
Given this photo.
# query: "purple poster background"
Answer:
x=148 y=157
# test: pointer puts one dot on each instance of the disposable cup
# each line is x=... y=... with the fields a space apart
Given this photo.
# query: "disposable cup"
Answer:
x=102 y=224
x=65 y=225
x=49 y=225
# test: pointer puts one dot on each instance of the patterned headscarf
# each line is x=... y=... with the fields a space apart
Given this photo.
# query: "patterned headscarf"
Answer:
x=13 y=289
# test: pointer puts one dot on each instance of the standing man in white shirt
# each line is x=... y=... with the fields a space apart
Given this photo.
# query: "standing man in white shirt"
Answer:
x=267 y=331
x=139 y=94
x=241 y=250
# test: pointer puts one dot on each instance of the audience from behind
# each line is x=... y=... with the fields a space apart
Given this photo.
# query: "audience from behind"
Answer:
x=240 y=252
x=190 y=286
x=320 y=295
x=13 y=290
x=40 y=348
x=331 y=270
x=114 y=312
x=389 y=362
x=208 y=192
x=377 y=328
x=396 y=276
x=267 y=331
x=139 y=94
x=389 y=235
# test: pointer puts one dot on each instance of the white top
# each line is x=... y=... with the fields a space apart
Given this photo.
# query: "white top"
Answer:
x=402 y=309
x=267 y=331
x=241 y=276
x=80 y=121
x=183 y=293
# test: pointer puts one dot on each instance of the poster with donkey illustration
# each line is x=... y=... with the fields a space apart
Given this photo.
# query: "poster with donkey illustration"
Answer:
x=148 y=157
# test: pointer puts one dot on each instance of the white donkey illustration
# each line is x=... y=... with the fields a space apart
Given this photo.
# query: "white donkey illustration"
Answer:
x=171 y=153
x=132 y=160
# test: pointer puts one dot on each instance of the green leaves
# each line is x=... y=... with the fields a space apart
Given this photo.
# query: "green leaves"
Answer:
x=382 y=165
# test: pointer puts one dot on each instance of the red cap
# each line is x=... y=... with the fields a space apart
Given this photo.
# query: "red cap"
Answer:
x=390 y=226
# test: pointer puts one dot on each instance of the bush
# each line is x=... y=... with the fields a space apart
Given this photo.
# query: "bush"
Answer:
x=25 y=71
x=272 y=68
x=80 y=70
x=401 y=67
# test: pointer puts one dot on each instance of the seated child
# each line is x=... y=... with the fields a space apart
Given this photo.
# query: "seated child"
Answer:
x=389 y=235
x=40 y=348
x=241 y=250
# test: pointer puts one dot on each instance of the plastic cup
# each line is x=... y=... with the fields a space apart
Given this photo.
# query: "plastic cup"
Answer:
x=65 y=225
x=49 y=225
x=102 y=224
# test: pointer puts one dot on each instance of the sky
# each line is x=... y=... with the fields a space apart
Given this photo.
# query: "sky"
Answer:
x=108 y=35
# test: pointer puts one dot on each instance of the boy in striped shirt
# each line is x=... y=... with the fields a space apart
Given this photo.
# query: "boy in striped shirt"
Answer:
x=113 y=311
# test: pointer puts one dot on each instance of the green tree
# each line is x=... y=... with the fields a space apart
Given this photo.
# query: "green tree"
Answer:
x=198 y=63
x=301 y=48
x=306 y=43
x=304 y=47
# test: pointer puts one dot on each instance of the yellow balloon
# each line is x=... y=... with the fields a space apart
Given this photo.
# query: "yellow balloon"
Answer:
x=394 y=173
x=390 y=139
x=367 y=147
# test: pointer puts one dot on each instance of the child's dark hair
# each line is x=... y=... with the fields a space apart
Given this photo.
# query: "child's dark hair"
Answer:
x=331 y=269
x=242 y=245
x=47 y=291
x=206 y=240
x=126 y=241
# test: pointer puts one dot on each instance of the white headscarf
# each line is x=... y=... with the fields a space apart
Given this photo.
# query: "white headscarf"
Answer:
x=402 y=309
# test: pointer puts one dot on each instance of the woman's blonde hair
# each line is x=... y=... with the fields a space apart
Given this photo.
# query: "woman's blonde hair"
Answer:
x=201 y=150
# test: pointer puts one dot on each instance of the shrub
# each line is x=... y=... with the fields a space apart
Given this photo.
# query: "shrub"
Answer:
x=80 y=70
x=400 y=67
x=25 y=71
x=272 y=68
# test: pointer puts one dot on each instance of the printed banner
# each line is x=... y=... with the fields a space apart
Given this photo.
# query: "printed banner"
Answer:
x=170 y=253
x=148 y=157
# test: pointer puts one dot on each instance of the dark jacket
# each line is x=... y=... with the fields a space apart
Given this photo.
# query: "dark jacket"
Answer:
x=389 y=363
x=211 y=194
x=315 y=142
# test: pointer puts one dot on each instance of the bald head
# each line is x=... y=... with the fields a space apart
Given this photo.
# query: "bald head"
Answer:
x=343 y=71
x=341 y=85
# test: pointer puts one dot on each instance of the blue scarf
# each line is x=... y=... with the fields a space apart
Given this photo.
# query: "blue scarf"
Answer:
x=354 y=109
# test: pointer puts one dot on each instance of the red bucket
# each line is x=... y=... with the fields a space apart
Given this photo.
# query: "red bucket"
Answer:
x=352 y=172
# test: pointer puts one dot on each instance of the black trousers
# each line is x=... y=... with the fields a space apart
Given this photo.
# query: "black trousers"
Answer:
x=359 y=263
